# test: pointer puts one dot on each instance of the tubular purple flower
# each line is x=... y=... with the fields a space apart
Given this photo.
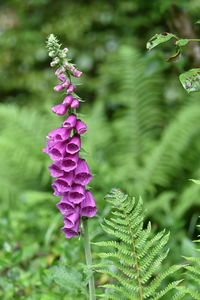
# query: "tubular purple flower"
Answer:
x=76 y=194
x=65 y=207
x=88 y=206
x=70 y=232
x=60 y=109
x=74 y=145
x=70 y=220
x=63 y=183
x=81 y=127
x=62 y=77
x=71 y=88
x=59 y=71
x=59 y=134
x=75 y=103
x=57 y=151
x=72 y=68
x=69 y=163
x=55 y=170
x=82 y=173
x=70 y=122
x=77 y=73
x=66 y=83
x=68 y=100
x=58 y=87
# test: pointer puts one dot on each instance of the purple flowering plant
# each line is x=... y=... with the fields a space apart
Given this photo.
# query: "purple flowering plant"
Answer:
x=71 y=173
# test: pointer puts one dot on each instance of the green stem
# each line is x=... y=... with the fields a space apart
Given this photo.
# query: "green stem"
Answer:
x=88 y=257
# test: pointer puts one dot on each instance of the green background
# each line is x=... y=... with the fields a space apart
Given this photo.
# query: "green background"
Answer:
x=143 y=132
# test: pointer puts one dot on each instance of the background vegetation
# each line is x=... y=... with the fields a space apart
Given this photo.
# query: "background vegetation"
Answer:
x=143 y=132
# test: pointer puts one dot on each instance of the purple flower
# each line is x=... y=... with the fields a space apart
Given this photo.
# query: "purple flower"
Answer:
x=59 y=71
x=58 y=87
x=68 y=100
x=62 y=77
x=65 y=207
x=81 y=127
x=66 y=83
x=69 y=163
x=71 y=173
x=63 y=183
x=70 y=122
x=70 y=232
x=75 y=103
x=57 y=151
x=73 y=145
x=82 y=173
x=71 y=219
x=60 y=109
x=77 y=73
x=55 y=169
x=88 y=206
x=71 y=88
x=59 y=134
x=72 y=68
x=76 y=194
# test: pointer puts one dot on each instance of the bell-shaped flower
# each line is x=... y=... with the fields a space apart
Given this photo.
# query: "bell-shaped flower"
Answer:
x=57 y=151
x=63 y=183
x=55 y=169
x=62 y=77
x=74 y=145
x=77 y=73
x=69 y=163
x=65 y=207
x=71 y=88
x=68 y=100
x=58 y=87
x=59 y=71
x=82 y=173
x=88 y=206
x=66 y=83
x=75 y=103
x=59 y=134
x=60 y=109
x=70 y=220
x=70 y=232
x=76 y=194
x=70 y=122
x=81 y=127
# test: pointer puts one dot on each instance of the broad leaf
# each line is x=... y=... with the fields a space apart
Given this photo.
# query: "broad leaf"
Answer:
x=191 y=80
x=159 y=39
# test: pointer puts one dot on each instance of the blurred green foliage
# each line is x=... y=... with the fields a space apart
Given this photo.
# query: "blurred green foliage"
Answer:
x=143 y=133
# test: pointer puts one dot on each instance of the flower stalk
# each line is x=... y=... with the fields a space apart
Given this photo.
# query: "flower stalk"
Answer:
x=88 y=257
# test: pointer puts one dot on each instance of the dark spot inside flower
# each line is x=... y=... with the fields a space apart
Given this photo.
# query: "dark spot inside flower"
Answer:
x=56 y=153
x=69 y=163
x=76 y=195
x=73 y=147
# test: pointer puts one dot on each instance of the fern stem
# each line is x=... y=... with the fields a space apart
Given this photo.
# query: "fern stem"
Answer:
x=136 y=263
x=88 y=257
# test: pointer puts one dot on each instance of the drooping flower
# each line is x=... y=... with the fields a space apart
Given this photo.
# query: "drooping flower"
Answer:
x=71 y=172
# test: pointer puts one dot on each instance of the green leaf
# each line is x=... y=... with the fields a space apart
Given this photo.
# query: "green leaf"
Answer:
x=182 y=42
x=190 y=80
x=158 y=39
x=195 y=181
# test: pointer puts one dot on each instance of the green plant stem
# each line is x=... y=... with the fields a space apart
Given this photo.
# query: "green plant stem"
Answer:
x=88 y=257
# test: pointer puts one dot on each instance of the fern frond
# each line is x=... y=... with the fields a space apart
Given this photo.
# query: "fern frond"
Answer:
x=135 y=254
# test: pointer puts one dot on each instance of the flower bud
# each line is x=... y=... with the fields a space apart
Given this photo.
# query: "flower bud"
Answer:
x=75 y=103
x=71 y=88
